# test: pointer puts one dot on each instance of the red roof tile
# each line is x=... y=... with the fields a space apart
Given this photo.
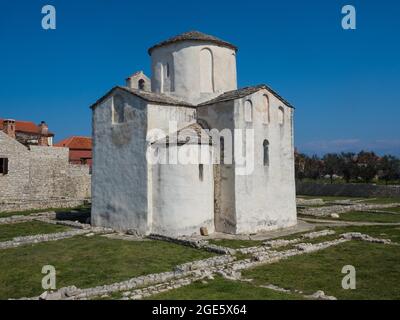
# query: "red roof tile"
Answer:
x=24 y=126
x=76 y=143
x=80 y=154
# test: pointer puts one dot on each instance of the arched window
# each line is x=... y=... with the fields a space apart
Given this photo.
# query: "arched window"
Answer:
x=265 y=115
x=248 y=111
x=141 y=84
x=266 y=152
x=281 y=115
x=206 y=71
x=167 y=68
x=118 y=114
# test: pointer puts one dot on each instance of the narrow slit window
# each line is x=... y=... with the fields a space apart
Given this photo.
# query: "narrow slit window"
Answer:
x=281 y=116
x=201 y=172
x=222 y=150
x=4 y=166
x=266 y=152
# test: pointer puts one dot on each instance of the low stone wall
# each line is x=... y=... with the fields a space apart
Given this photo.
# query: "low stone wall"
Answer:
x=198 y=244
x=206 y=263
x=338 y=209
x=38 y=204
x=347 y=190
x=27 y=218
x=19 y=241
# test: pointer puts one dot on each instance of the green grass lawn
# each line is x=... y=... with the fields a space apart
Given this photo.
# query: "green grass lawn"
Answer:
x=369 y=217
x=222 y=289
x=235 y=243
x=358 y=216
x=383 y=200
x=377 y=271
x=83 y=208
x=86 y=262
x=384 y=232
x=330 y=198
x=9 y=231
x=395 y=209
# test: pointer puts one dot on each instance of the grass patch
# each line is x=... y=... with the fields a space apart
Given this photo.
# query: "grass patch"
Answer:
x=383 y=200
x=300 y=216
x=222 y=289
x=377 y=271
x=9 y=231
x=331 y=198
x=235 y=243
x=386 y=232
x=87 y=262
x=82 y=208
x=358 y=216
x=369 y=217
x=394 y=209
x=238 y=244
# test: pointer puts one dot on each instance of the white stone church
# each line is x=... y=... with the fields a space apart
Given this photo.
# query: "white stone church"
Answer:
x=193 y=86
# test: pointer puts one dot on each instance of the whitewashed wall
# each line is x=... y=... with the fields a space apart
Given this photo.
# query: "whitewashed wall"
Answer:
x=182 y=202
x=119 y=173
x=265 y=199
x=186 y=69
x=221 y=116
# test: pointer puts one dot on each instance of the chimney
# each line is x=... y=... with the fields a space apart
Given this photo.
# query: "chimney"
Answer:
x=43 y=131
x=128 y=82
x=9 y=127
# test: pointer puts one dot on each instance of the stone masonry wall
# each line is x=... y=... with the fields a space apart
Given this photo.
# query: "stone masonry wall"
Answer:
x=40 y=174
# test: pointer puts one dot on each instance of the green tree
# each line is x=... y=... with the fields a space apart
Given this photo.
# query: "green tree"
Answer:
x=331 y=165
x=367 y=165
x=388 y=168
x=313 y=167
x=348 y=166
x=299 y=164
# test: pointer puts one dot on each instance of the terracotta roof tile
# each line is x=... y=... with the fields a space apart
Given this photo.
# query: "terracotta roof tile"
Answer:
x=24 y=126
x=80 y=154
x=76 y=143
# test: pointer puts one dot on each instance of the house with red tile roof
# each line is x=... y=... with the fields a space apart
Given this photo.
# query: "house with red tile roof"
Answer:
x=80 y=149
x=27 y=132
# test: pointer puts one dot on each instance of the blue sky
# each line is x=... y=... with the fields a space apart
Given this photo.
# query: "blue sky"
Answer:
x=345 y=84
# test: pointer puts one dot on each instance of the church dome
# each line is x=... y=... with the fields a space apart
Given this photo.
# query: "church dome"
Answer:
x=194 y=36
